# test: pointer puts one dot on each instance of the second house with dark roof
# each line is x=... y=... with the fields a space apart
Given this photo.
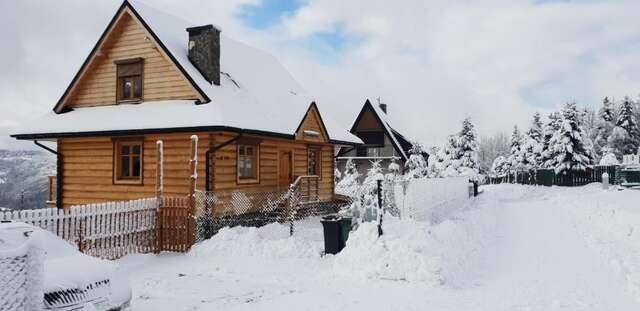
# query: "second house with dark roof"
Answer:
x=381 y=141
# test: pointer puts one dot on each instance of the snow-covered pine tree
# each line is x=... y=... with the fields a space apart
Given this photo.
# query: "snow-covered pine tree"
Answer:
x=552 y=126
x=568 y=143
x=531 y=151
x=515 y=153
x=417 y=164
x=625 y=136
x=451 y=154
x=467 y=153
x=604 y=128
x=435 y=167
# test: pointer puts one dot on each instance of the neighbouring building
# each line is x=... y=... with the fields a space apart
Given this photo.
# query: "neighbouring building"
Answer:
x=153 y=76
x=381 y=141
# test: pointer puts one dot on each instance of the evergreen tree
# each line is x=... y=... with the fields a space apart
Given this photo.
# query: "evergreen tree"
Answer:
x=436 y=165
x=608 y=112
x=515 y=154
x=535 y=131
x=568 y=147
x=416 y=165
x=624 y=138
x=531 y=153
x=550 y=128
x=467 y=151
x=604 y=128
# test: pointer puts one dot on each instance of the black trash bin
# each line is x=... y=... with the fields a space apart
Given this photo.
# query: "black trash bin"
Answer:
x=336 y=232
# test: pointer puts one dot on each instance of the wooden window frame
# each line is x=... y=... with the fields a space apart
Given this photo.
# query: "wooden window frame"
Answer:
x=318 y=168
x=119 y=90
x=117 y=178
x=256 y=165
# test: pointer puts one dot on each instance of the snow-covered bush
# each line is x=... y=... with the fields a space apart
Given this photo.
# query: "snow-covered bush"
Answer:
x=608 y=157
x=416 y=165
x=349 y=182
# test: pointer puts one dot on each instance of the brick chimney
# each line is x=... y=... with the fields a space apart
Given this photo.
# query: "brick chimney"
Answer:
x=204 y=51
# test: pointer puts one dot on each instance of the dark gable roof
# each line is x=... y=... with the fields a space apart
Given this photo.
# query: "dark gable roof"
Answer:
x=400 y=143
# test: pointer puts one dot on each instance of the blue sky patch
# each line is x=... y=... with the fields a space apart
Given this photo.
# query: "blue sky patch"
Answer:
x=268 y=12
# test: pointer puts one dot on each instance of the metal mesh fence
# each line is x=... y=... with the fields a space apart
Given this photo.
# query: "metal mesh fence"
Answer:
x=397 y=197
x=21 y=279
x=215 y=210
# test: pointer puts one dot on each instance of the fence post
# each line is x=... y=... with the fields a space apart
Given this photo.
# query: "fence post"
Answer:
x=380 y=210
x=290 y=207
x=193 y=179
x=159 y=193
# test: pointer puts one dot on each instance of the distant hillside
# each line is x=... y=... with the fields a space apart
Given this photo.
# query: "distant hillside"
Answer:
x=23 y=178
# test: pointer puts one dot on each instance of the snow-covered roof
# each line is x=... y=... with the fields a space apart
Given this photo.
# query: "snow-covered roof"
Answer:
x=255 y=93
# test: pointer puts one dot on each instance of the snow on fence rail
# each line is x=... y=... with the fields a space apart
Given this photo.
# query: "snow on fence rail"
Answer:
x=420 y=198
x=106 y=230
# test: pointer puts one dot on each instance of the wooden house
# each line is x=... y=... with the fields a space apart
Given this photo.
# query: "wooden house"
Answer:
x=381 y=141
x=153 y=76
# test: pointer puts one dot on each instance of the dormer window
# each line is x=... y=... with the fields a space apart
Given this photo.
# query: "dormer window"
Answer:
x=129 y=83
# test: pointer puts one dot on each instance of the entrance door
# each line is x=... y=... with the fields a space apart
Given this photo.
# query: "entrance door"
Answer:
x=285 y=177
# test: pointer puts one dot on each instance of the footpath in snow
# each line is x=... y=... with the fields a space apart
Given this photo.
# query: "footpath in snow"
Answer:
x=513 y=248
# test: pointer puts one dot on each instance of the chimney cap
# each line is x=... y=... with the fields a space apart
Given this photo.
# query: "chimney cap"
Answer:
x=198 y=29
x=383 y=107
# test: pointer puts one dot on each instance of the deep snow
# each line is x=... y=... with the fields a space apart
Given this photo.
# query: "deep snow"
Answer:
x=513 y=248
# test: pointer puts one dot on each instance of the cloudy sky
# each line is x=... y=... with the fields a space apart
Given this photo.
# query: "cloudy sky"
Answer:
x=433 y=62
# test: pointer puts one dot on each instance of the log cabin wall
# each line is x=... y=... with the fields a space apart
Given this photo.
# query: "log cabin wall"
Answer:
x=225 y=165
x=89 y=167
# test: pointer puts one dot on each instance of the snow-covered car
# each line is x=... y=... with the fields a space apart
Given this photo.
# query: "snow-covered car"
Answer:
x=72 y=280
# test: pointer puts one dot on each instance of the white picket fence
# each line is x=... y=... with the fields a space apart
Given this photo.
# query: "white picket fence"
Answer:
x=420 y=199
x=106 y=230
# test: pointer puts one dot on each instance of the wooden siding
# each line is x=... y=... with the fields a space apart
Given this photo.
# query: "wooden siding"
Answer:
x=128 y=39
x=312 y=122
x=368 y=121
x=88 y=167
x=224 y=165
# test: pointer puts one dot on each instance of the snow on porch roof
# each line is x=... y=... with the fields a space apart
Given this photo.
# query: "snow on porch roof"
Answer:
x=256 y=93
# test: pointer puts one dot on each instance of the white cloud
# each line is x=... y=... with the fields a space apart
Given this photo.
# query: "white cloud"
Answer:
x=432 y=62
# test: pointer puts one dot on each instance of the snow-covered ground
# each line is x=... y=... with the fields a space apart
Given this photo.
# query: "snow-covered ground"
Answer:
x=513 y=248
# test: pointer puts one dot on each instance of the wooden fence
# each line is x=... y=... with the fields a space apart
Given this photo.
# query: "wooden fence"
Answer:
x=114 y=229
x=548 y=177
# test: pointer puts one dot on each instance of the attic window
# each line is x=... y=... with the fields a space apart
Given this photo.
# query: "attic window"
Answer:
x=129 y=80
